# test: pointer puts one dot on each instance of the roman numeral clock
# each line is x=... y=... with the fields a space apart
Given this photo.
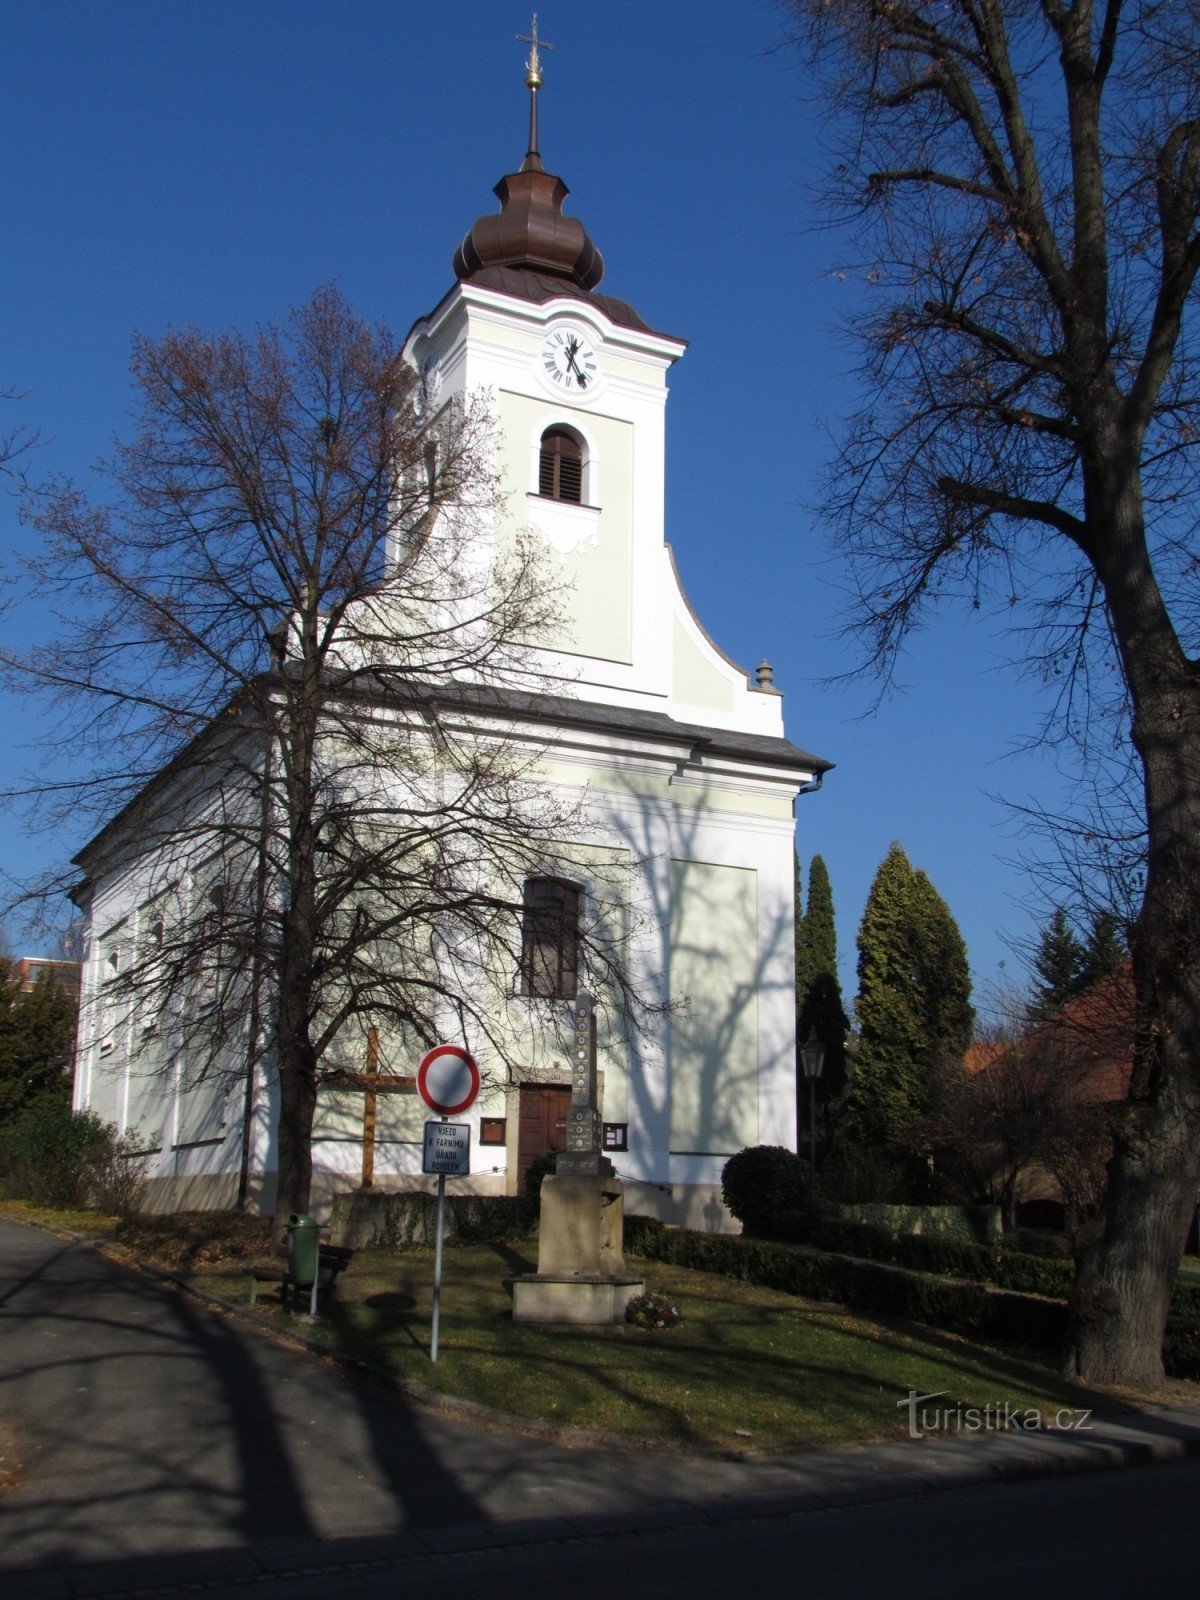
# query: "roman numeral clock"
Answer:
x=569 y=360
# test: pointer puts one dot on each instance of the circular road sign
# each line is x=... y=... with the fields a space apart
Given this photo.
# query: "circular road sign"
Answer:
x=447 y=1079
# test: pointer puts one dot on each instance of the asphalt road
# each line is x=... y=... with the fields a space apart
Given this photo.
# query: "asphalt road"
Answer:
x=165 y=1445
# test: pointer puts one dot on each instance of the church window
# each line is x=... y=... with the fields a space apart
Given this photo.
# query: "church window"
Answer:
x=550 y=939
x=560 y=466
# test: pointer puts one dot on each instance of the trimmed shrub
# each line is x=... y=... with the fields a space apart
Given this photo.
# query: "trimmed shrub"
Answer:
x=1181 y=1347
x=57 y=1157
x=409 y=1219
x=1035 y=1242
x=767 y=1188
x=974 y=1309
x=968 y=1224
x=1026 y=1274
x=869 y=1286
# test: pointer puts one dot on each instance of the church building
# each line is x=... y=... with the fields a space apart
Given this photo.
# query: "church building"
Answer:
x=681 y=754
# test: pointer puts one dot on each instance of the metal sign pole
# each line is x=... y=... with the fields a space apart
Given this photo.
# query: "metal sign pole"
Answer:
x=448 y=1082
x=437 y=1266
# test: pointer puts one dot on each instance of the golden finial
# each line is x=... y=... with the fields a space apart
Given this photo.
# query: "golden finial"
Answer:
x=533 y=65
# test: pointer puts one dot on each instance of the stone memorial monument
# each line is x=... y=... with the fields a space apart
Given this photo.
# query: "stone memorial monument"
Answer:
x=581 y=1277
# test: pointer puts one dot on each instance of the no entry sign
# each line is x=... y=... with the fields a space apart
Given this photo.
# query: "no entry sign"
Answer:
x=448 y=1079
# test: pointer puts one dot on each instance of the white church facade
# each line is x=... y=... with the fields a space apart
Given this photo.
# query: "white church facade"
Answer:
x=690 y=783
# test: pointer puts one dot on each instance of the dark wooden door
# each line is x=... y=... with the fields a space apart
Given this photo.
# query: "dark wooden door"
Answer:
x=543 y=1127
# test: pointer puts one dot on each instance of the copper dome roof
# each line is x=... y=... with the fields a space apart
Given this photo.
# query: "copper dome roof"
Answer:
x=530 y=230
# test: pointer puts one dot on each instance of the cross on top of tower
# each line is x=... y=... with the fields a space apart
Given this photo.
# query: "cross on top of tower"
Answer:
x=533 y=82
x=533 y=74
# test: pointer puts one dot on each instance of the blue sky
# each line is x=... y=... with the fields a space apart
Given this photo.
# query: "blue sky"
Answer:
x=169 y=163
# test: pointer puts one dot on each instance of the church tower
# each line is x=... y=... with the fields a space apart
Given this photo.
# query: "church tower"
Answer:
x=680 y=751
x=578 y=381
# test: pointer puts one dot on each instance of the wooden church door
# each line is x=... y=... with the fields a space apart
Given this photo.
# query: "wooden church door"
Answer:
x=543 y=1124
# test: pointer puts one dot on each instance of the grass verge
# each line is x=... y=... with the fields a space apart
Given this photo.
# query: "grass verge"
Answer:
x=750 y=1369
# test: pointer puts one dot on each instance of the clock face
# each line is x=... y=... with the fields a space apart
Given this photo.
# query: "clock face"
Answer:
x=569 y=361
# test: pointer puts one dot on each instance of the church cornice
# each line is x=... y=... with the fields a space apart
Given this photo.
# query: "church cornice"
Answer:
x=629 y=334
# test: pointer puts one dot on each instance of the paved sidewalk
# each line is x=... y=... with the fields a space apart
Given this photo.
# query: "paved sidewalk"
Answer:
x=166 y=1444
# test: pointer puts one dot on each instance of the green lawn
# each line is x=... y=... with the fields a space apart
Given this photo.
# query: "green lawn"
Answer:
x=749 y=1369
x=93 y=1224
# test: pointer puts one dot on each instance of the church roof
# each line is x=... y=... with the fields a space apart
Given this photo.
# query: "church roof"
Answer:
x=524 y=283
x=231 y=725
x=529 y=250
x=757 y=748
x=530 y=230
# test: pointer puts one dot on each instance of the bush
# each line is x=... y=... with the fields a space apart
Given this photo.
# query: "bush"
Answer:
x=970 y=1224
x=768 y=1188
x=869 y=1286
x=974 y=1309
x=399 y=1221
x=116 y=1177
x=1036 y=1242
x=57 y=1157
x=1181 y=1347
x=951 y=1257
x=861 y=1176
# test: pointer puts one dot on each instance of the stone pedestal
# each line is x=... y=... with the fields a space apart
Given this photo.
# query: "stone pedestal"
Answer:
x=581 y=1278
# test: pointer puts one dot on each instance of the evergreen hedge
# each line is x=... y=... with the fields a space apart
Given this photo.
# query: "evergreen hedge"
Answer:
x=977 y=1310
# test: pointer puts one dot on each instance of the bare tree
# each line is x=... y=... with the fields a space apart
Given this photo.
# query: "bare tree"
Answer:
x=1041 y=1106
x=295 y=656
x=1026 y=178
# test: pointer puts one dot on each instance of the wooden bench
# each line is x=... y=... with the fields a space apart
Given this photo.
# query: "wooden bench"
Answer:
x=332 y=1261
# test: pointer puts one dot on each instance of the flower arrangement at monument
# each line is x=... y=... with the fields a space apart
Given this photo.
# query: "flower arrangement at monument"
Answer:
x=652 y=1311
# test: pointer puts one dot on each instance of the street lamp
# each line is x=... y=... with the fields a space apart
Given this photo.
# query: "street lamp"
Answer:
x=812 y=1060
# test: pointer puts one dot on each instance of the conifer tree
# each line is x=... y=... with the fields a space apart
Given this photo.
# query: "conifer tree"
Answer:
x=944 y=978
x=913 y=1005
x=885 y=1101
x=1059 y=963
x=37 y=1036
x=803 y=966
x=1106 y=947
x=819 y=1006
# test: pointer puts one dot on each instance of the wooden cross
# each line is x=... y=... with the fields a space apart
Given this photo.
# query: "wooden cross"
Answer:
x=373 y=1083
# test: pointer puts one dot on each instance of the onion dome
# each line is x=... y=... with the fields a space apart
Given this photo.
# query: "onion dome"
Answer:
x=530 y=230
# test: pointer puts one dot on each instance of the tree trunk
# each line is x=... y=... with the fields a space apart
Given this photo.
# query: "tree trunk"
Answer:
x=1129 y=1260
x=297 y=1057
x=297 y=1104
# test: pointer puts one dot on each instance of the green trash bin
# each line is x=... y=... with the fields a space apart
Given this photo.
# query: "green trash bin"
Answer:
x=301 y=1249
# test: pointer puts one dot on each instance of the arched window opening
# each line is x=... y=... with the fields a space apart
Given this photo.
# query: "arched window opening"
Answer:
x=550 y=939
x=560 y=467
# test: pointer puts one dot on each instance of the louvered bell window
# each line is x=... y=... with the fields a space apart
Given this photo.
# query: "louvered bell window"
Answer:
x=560 y=468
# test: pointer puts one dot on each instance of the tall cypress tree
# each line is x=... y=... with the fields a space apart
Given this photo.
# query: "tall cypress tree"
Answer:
x=885 y=1100
x=803 y=966
x=819 y=1003
x=944 y=976
x=913 y=1005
